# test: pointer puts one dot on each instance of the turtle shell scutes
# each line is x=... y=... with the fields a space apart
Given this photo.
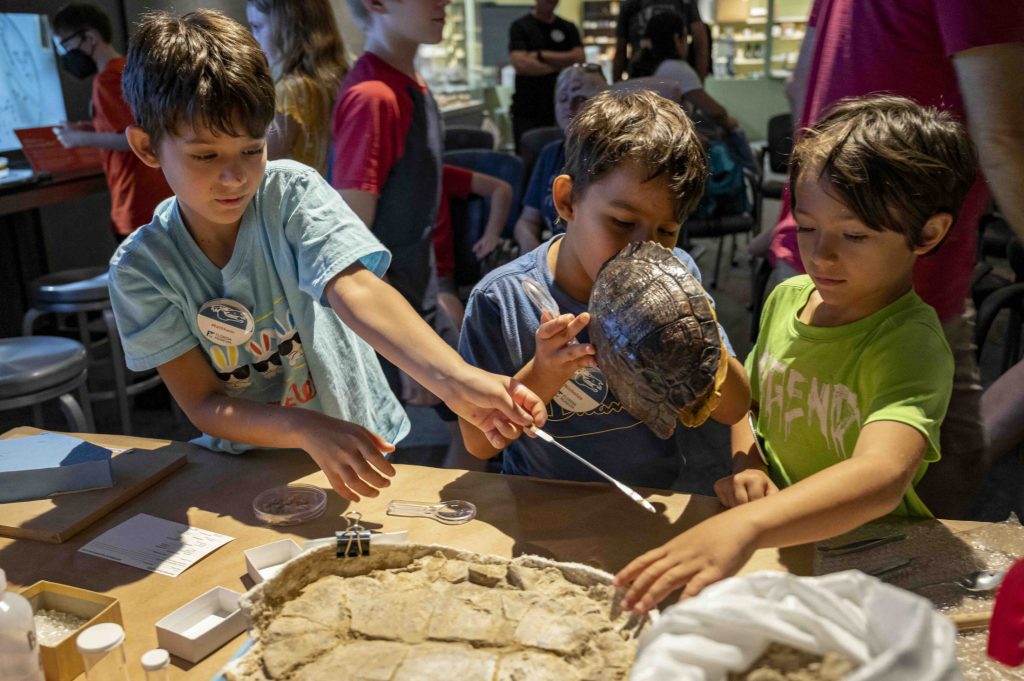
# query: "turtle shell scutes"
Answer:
x=656 y=336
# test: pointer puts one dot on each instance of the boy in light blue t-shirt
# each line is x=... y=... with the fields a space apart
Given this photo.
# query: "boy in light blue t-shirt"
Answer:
x=254 y=287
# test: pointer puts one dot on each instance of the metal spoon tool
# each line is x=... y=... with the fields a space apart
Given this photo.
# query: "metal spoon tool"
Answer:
x=628 y=491
x=977 y=582
x=981 y=581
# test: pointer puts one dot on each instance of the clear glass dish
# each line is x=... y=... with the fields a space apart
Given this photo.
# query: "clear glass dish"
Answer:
x=289 y=504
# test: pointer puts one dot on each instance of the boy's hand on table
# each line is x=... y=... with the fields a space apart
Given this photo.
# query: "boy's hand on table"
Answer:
x=497 y=405
x=350 y=455
x=746 y=485
x=713 y=550
x=555 y=358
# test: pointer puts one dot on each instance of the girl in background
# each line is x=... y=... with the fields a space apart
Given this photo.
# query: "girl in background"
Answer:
x=665 y=59
x=307 y=60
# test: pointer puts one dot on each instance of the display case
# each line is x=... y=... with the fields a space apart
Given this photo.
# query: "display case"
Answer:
x=599 y=20
x=757 y=38
x=452 y=68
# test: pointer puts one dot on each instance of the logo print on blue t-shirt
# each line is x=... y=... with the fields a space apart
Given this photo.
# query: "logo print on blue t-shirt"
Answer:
x=226 y=314
x=591 y=381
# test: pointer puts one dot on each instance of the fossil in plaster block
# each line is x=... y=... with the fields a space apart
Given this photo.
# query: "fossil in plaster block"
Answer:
x=434 y=612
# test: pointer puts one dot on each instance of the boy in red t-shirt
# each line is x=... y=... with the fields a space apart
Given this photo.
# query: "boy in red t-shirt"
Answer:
x=83 y=35
x=387 y=156
x=461 y=183
x=387 y=141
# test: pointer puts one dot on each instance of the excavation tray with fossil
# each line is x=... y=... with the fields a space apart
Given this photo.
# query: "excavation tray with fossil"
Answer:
x=433 y=612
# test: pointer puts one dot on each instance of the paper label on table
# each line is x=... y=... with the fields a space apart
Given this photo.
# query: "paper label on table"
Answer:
x=155 y=544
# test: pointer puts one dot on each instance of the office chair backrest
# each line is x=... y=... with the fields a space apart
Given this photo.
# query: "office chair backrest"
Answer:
x=1015 y=256
x=470 y=217
x=531 y=144
x=458 y=137
x=780 y=142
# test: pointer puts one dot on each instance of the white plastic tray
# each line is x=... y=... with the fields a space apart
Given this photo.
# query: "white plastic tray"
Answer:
x=263 y=562
x=202 y=625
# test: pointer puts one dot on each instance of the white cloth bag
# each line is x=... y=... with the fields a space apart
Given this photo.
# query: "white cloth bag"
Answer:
x=890 y=633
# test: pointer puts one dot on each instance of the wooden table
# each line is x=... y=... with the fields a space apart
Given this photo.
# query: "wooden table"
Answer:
x=583 y=522
x=64 y=187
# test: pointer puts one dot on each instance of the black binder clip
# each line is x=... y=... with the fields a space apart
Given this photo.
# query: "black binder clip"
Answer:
x=355 y=539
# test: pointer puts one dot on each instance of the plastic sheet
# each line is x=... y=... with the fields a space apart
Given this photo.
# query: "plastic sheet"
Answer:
x=939 y=556
x=889 y=634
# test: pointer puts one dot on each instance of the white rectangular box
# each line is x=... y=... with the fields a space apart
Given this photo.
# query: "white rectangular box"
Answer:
x=263 y=562
x=202 y=625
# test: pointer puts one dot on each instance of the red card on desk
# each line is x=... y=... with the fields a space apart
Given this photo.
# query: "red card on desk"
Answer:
x=47 y=155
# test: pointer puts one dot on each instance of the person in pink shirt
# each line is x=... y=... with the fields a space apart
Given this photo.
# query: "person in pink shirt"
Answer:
x=962 y=56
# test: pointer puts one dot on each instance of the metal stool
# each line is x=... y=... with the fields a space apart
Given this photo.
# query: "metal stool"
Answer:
x=78 y=292
x=41 y=368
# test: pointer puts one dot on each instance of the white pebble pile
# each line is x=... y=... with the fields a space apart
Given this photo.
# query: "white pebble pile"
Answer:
x=53 y=626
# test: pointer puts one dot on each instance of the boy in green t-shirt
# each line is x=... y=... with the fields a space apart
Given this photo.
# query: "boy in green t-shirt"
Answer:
x=851 y=374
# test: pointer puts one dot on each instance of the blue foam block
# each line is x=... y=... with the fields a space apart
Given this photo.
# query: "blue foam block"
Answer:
x=37 y=466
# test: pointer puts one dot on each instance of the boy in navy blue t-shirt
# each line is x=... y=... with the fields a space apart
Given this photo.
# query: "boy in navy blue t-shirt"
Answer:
x=618 y=189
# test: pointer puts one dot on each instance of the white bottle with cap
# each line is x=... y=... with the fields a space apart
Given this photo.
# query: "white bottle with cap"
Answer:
x=155 y=663
x=102 y=649
x=19 y=650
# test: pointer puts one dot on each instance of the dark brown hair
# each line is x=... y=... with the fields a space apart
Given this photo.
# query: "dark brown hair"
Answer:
x=202 y=69
x=891 y=161
x=80 y=16
x=640 y=127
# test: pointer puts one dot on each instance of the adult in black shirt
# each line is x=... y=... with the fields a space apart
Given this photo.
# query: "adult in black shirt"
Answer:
x=540 y=45
x=634 y=15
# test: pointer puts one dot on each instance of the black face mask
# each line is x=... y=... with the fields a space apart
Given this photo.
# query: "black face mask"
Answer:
x=78 y=63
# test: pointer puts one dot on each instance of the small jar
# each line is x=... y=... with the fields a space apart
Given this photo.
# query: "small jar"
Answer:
x=155 y=662
x=102 y=649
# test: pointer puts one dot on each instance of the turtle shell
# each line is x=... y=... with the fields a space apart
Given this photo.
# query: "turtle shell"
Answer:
x=656 y=336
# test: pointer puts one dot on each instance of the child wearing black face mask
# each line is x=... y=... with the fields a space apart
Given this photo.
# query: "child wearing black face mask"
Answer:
x=82 y=35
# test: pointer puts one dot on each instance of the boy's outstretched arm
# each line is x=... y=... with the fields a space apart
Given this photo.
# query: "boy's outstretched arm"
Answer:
x=498 y=405
x=838 y=499
x=735 y=401
x=348 y=454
